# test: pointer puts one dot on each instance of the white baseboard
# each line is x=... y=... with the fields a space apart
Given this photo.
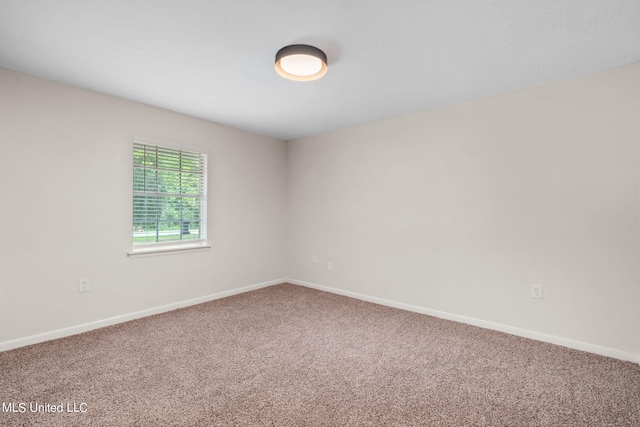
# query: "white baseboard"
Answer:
x=539 y=336
x=73 y=330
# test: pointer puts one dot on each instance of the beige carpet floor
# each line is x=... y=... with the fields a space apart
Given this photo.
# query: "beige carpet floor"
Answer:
x=291 y=356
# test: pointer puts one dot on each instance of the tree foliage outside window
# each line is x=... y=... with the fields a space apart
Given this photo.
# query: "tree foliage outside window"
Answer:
x=169 y=195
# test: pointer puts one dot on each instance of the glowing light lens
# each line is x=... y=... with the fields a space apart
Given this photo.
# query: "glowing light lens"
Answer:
x=301 y=65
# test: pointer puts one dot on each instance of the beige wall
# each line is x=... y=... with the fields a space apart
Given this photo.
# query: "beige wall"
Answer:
x=66 y=174
x=460 y=209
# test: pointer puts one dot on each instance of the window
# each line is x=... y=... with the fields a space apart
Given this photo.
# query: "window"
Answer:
x=169 y=196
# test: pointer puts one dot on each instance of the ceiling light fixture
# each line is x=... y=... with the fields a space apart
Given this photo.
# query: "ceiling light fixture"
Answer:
x=301 y=62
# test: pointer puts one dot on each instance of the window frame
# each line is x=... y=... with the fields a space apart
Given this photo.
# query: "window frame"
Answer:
x=173 y=246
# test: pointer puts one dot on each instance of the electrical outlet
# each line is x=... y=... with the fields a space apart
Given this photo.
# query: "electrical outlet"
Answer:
x=330 y=266
x=83 y=285
x=536 y=291
x=314 y=259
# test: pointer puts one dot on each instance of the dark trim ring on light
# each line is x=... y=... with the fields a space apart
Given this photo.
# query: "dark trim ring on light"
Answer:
x=301 y=62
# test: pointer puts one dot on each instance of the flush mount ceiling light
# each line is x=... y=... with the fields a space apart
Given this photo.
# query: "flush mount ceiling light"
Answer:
x=301 y=62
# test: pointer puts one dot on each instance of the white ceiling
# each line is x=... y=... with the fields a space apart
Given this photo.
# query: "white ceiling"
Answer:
x=214 y=58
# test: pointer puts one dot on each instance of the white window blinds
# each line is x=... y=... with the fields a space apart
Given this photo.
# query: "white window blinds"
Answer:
x=169 y=195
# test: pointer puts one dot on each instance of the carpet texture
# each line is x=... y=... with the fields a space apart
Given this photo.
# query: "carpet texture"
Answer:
x=291 y=356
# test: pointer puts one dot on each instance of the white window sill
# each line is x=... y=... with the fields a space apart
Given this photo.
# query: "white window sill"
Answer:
x=166 y=250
